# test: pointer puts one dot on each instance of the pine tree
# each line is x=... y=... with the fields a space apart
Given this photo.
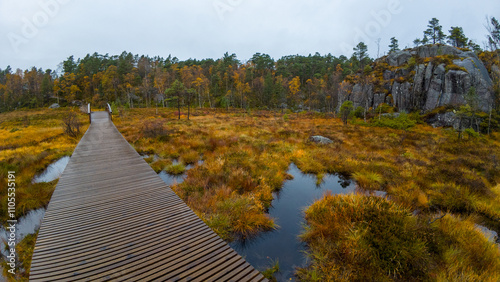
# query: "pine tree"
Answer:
x=394 y=46
x=361 y=54
x=494 y=36
x=435 y=31
x=457 y=37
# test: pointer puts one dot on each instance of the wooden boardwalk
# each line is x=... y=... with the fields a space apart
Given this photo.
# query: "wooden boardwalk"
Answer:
x=112 y=218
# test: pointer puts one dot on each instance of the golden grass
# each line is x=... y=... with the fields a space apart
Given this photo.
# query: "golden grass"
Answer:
x=361 y=238
x=245 y=159
x=30 y=141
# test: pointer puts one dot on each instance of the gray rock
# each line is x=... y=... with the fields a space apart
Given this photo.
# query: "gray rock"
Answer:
x=54 y=106
x=402 y=96
x=398 y=58
x=436 y=50
x=378 y=98
x=432 y=86
x=436 y=83
x=444 y=120
x=320 y=140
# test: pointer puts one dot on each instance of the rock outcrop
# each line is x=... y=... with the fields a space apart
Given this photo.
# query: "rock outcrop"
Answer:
x=425 y=78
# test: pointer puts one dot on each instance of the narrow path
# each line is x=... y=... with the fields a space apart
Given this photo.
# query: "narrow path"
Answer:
x=111 y=217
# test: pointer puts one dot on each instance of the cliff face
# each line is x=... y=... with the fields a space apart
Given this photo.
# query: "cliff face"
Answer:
x=423 y=78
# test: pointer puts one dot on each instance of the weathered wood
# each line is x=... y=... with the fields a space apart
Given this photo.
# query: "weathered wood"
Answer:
x=111 y=218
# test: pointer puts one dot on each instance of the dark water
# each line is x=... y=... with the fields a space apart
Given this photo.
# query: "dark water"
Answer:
x=287 y=209
x=171 y=179
x=52 y=172
x=28 y=224
x=490 y=234
x=175 y=179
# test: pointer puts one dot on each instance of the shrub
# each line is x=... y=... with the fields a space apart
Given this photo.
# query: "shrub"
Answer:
x=403 y=121
x=345 y=111
x=71 y=124
x=359 y=112
x=154 y=128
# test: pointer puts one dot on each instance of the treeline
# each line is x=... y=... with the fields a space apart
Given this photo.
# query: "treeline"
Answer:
x=295 y=82
x=142 y=81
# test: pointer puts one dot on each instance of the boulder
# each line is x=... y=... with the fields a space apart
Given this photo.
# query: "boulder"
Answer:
x=54 y=106
x=320 y=140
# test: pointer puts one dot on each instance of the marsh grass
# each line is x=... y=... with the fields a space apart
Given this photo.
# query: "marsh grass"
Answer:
x=360 y=238
x=245 y=159
x=175 y=169
x=38 y=141
x=24 y=251
x=270 y=272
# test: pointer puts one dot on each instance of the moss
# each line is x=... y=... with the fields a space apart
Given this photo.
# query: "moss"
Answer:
x=450 y=67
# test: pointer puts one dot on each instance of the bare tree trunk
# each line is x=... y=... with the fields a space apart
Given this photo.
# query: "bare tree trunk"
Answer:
x=179 y=105
x=489 y=123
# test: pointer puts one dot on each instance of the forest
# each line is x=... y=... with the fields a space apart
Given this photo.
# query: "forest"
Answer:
x=293 y=82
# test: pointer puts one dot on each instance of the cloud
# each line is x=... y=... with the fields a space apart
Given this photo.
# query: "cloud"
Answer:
x=206 y=29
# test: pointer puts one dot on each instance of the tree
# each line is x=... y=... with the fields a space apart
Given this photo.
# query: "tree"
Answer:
x=435 y=31
x=425 y=40
x=417 y=42
x=457 y=37
x=294 y=88
x=69 y=66
x=177 y=89
x=493 y=27
x=472 y=45
x=394 y=46
x=345 y=111
x=360 y=51
x=361 y=54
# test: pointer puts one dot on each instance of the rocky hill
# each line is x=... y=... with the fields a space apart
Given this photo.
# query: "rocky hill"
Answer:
x=422 y=79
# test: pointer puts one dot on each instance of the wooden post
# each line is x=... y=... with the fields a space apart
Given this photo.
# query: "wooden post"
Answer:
x=90 y=113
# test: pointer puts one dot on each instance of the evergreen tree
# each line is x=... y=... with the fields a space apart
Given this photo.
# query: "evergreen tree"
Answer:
x=361 y=54
x=425 y=40
x=394 y=46
x=494 y=36
x=457 y=37
x=435 y=31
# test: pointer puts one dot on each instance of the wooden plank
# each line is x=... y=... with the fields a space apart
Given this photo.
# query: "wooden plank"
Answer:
x=112 y=218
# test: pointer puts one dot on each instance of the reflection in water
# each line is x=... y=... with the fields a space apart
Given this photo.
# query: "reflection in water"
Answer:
x=52 y=172
x=288 y=211
x=28 y=224
x=490 y=234
x=175 y=179
x=171 y=179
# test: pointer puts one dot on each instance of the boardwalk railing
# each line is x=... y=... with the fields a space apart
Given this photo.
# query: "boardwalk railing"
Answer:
x=112 y=218
x=110 y=112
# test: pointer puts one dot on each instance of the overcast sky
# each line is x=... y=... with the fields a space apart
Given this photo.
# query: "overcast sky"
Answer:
x=43 y=33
